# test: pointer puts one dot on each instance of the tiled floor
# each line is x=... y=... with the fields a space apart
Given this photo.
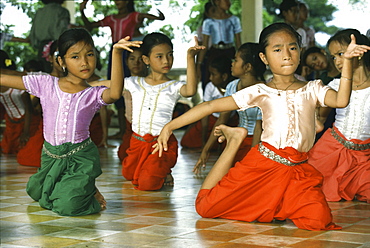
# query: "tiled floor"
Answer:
x=165 y=218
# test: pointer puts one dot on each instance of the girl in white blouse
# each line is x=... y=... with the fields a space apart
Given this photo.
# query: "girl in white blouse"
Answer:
x=274 y=180
x=342 y=154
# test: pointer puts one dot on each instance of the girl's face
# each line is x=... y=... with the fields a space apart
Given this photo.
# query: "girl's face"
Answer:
x=282 y=53
x=336 y=51
x=223 y=4
x=135 y=63
x=218 y=79
x=121 y=4
x=160 y=58
x=291 y=15
x=237 y=66
x=317 y=61
x=79 y=60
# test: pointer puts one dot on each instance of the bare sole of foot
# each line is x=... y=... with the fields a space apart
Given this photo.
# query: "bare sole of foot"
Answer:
x=100 y=198
x=168 y=181
x=236 y=134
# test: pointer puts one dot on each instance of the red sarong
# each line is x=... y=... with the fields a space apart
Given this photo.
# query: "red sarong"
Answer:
x=147 y=171
x=96 y=128
x=10 y=140
x=346 y=172
x=125 y=141
x=244 y=148
x=30 y=154
x=260 y=189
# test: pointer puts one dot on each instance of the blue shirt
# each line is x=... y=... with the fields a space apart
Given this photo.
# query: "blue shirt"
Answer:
x=222 y=29
x=248 y=117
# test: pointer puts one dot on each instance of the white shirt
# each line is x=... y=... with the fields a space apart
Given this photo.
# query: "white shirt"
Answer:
x=211 y=93
x=152 y=106
x=353 y=121
x=13 y=103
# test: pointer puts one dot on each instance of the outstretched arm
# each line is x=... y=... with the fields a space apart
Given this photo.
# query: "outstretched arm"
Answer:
x=88 y=25
x=190 y=88
x=341 y=98
x=194 y=114
x=12 y=79
x=113 y=93
x=201 y=163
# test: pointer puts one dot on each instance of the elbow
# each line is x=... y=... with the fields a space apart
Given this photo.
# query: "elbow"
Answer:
x=342 y=105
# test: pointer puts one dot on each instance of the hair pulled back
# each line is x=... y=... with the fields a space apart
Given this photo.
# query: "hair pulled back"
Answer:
x=277 y=27
x=249 y=53
x=343 y=37
x=152 y=40
x=71 y=37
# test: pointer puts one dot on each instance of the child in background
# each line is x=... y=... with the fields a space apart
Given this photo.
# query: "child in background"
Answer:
x=317 y=60
x=342 y=154
x=65 y=183
x=18 y=113
x=249 y=68
x=137 y=68
x=121 y=24
x=197 y=134
x=274 y=180
x=154 y=98
x=224 y=29
x=303 y=14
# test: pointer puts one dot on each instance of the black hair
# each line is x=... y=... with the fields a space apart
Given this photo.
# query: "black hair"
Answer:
x=343 y=37
x=71 y=37
x=222 y=64
x=249 y=53
x=207 y=8
x=152 y=40
x=130 y=6
x=52 y=1
x=6 y=62
x=308 y=52
x=53 y=48
x=286 y=5
x=277 y=27
x=33 y=66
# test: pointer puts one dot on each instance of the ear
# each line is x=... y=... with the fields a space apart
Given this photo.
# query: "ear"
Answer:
x=61 y=62
x=145 y=59
x=224 y=77
x=247 y=67
x=263 y=58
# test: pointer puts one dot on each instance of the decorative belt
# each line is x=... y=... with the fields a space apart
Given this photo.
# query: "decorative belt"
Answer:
x=275 y=157
x=70 y=153
x=349 y=144
x=223 y=46
x=142 y=139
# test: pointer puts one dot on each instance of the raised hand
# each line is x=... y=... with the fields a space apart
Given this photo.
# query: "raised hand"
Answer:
x=160 y=15
x=83 y=5
x=125 y=44
x=354 y=50
x=194 y=50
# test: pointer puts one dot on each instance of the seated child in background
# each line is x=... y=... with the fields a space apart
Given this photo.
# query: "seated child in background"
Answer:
x=197 y=134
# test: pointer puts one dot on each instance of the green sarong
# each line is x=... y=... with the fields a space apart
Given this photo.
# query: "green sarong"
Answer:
x=65 y=183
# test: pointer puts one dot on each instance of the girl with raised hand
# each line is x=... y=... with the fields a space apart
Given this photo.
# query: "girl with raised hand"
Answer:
x=153 y=100
x=342 y=154
x=274 y=180
x=249 y=70
x=65 y=183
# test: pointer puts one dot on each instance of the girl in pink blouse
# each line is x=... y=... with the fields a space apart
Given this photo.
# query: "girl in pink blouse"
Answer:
x=274 y=180
x=65 y=183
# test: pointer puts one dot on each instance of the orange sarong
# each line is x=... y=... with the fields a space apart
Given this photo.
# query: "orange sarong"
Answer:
x=148 y=171
x=346 y=172
x=260 y=189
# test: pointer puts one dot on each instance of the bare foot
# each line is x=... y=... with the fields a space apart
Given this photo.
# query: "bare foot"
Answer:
x=234 y=135
x=169 y=180
x=100 y=198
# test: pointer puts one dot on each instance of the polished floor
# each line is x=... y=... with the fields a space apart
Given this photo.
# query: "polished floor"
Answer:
x=164 y=218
